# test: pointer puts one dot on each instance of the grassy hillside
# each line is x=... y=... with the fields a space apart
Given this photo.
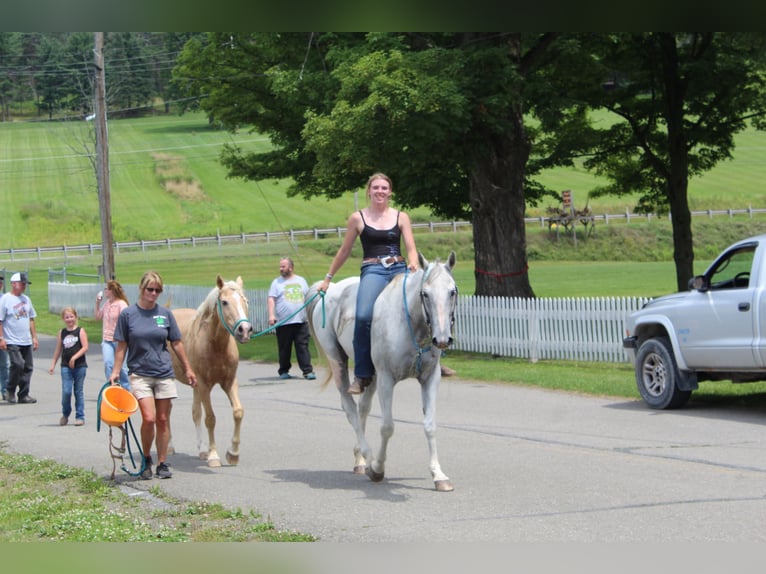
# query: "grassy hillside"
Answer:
x=166 y=182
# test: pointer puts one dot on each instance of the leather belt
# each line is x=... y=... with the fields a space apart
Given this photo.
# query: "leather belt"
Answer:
x=385 y=261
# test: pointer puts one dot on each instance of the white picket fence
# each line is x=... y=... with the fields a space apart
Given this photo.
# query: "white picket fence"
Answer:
x=573 y=329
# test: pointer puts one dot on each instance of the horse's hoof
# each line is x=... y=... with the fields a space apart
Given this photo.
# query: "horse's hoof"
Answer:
x=359 y=469
x=443 y=486
x=213 y=462
x=203 y=456
x=232 y=459
x=372 y=475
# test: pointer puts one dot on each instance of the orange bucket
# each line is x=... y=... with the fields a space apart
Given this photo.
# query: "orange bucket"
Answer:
x=117 y=405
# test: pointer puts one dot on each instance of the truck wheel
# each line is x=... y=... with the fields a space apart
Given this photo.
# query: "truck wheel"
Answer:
x=657 y=375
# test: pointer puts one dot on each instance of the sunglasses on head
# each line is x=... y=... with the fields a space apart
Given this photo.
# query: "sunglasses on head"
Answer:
x=154 y=289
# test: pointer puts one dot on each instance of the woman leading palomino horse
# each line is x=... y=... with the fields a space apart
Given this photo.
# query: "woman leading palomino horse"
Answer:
x=210 y=335
x=411 y=326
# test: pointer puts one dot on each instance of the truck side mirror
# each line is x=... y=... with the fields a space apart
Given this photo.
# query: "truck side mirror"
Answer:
x=699 y=283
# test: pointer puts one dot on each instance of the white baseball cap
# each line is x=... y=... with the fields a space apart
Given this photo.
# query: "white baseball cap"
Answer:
x=20 y=277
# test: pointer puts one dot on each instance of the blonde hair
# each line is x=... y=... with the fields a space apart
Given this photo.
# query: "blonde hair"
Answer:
x=150 y=277
x=71 y=310
x=379 y=175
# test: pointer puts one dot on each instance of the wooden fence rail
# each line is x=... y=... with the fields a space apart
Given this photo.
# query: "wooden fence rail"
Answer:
x=56 y=252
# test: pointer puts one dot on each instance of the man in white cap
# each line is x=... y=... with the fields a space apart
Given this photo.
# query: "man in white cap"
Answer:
x=4 y=363
x=18 y=336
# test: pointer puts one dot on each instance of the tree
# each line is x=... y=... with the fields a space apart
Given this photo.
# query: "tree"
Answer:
x=677 y=101
x=443 y=114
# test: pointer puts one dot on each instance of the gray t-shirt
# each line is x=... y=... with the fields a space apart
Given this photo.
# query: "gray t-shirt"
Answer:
x=147 y=333
x=15 y=313
x=289 y=295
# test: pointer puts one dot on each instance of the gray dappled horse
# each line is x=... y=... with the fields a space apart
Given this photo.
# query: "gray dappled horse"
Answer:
x=411 y=326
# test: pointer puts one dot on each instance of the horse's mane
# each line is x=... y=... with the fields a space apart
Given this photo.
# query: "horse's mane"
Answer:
x=209 y=306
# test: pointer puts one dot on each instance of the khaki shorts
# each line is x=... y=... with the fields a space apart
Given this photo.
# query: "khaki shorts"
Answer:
x=143 y=387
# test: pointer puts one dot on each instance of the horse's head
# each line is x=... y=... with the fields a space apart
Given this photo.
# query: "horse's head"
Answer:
x=438 y=294
x=233 y=309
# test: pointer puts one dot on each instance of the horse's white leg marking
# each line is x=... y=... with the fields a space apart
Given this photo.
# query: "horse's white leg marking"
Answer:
x=213 y=459
x=428 y=391
x=202 y=446
x=232 y=455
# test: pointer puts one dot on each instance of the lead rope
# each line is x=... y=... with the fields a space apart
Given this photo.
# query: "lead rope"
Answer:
x=118 y=452
x=282 y=322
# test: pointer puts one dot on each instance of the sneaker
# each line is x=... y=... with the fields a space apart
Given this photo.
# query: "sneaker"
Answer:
x=285 y=376
x=63 y=421
x=146 y=474
x=27 y=400
x=310 y=376
x=79 y=422
x=163 y=470
x=11 y=400
x=358 y=386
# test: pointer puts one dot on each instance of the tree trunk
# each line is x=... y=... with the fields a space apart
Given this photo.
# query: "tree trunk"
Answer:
x=499 y=233
x=675 y=86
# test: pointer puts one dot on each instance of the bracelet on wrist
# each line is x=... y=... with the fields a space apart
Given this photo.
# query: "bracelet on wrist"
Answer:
x=328 y=276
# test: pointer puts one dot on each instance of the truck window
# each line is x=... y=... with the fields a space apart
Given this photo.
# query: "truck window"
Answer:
x=733 y=270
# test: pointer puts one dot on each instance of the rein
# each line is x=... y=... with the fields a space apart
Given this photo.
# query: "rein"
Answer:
x=420 y=350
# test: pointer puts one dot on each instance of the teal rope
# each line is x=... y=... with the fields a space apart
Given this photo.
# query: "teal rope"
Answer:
x=283 y=321
x=128 y=425
x=420 y=350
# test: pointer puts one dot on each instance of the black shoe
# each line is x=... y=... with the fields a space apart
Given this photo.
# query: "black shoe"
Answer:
x=163 y=470
x=11 y=399
x=26 y=399
x=146 y=474
x=5 y=395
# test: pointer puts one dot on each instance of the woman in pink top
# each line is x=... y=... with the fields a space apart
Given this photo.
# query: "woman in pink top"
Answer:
x=116 y=301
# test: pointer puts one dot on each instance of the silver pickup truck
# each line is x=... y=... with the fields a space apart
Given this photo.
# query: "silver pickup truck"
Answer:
x=715 y=331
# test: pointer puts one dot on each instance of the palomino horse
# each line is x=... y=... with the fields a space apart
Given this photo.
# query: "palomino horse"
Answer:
x=210 y=335
x=411 y=325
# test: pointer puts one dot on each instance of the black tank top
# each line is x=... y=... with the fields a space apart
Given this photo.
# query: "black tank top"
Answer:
x=380 y=242
x=70 y=345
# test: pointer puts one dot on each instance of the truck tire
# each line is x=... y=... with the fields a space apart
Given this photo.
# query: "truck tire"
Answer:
x=657 y=375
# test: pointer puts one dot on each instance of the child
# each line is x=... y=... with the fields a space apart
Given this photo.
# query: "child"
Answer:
x=71 y=346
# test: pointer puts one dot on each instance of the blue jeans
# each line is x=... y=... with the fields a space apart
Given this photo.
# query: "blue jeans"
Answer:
x=5 y=366
x=73 y=380
x=107 y=351
x=374 y=278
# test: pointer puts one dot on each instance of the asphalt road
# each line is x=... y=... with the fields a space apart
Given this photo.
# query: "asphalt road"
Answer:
x=528 y=465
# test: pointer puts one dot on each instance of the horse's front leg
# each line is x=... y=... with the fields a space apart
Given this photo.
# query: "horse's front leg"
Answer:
x=340 y=375
x=428 y=391
x=232 y=455
x=385 y=382
x=202 y=446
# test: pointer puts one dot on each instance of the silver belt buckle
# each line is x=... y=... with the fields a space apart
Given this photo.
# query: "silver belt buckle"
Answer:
x=387 y=261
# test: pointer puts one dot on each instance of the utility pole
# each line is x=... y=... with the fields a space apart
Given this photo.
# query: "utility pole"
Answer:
x=102 y=160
